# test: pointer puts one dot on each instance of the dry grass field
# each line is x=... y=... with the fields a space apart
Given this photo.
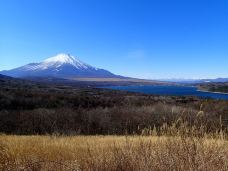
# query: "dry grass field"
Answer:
x=117 y=80
x=112 y=153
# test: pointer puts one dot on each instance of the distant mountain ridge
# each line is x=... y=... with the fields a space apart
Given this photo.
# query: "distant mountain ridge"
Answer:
x=60 y=66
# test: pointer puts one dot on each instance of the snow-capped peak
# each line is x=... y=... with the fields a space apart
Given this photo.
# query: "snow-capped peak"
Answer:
x=58 y=61
x=62 y=58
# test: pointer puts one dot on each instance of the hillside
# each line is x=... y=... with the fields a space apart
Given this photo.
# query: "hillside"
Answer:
x=65 y=127
x=214 y=87
x=83 y=110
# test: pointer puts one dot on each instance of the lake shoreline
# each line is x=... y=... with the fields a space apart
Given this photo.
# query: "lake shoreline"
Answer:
x=172 y=91
x=214 y=92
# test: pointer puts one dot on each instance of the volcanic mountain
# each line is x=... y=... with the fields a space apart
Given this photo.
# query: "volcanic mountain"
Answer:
x=60 y=66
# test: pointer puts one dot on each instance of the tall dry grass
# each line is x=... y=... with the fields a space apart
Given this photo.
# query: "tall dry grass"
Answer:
x=112 y=153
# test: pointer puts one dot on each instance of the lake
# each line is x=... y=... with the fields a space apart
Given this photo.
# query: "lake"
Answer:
x=170 y=90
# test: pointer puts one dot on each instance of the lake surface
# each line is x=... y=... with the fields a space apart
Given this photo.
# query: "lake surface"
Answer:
x=170 y=90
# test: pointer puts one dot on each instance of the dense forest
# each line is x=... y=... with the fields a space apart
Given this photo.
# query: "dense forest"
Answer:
x=27 y=107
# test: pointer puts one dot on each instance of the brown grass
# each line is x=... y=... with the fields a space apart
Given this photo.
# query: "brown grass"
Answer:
x=112 y=153
x=117 y=80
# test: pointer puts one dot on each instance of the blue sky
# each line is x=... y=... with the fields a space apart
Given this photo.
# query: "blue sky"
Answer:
x=139 y=38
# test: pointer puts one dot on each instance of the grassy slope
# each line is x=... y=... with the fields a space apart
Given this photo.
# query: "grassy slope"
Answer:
x=98 y=81
x=112 y=153
x=129 y=80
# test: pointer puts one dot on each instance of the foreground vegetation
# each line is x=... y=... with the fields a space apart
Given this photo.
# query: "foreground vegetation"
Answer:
x=65 y=127
x=112 y=153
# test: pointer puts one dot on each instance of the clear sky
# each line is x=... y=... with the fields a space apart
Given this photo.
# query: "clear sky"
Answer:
x=138 y=38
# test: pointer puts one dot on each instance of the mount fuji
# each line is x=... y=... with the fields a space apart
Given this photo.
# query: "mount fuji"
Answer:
x=60 y=66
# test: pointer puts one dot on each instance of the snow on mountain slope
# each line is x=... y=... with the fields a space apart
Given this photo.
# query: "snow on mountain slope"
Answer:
x=56 y=62
x=66 y=59
x=61 y=65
